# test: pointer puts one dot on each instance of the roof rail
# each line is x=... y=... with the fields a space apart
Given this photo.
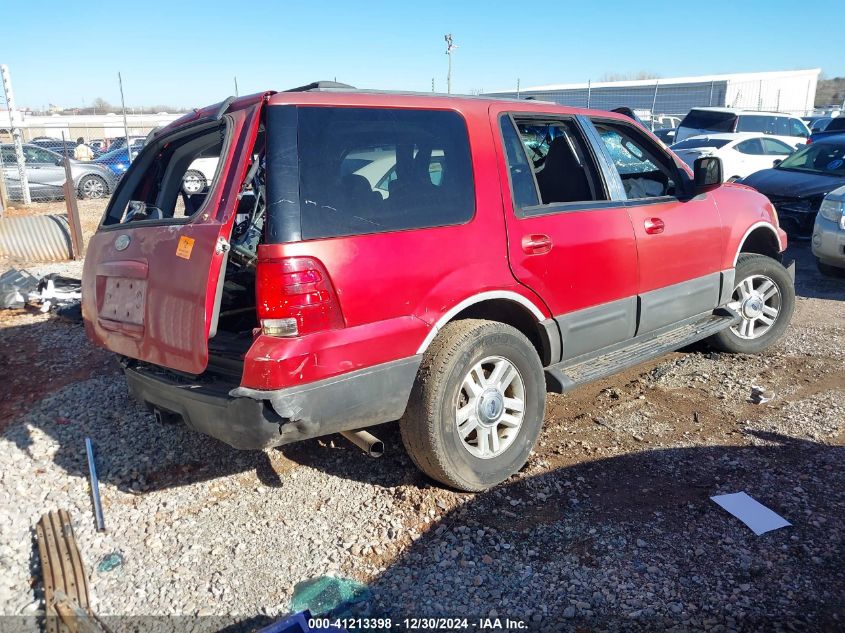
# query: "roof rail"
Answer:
x=320 y=85
x=224 y=106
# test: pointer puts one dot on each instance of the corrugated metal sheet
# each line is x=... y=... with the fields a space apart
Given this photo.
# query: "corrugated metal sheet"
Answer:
x=35 y=238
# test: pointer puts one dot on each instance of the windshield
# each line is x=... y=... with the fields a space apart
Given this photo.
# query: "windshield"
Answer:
x=700 y=142
x=818 y=158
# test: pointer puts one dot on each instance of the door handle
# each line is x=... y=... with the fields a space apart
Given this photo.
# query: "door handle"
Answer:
x=536 y=244
x=654 y=226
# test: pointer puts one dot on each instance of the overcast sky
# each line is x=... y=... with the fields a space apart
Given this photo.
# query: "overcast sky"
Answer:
x=187 y=54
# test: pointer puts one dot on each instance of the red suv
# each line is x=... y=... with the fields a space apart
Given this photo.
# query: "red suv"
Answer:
x=361 y=257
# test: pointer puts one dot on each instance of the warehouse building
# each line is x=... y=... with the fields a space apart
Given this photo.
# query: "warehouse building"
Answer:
x=791 y=91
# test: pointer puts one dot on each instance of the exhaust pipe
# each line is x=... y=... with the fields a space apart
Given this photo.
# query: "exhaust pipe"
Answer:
x=367 y=442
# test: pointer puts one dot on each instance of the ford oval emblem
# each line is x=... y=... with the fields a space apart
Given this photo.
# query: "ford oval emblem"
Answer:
x=122 y=242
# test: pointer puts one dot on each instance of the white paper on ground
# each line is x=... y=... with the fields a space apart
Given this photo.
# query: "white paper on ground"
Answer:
x=754 y=514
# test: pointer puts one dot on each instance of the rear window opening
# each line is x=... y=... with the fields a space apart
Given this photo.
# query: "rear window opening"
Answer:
x=174 y=179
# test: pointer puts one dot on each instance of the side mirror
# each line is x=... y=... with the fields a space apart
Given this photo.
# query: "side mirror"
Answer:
x=777 y=162
x=707 y=172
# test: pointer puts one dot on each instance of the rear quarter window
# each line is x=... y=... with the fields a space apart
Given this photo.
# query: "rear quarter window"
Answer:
x=373 y=170
x=710 y=120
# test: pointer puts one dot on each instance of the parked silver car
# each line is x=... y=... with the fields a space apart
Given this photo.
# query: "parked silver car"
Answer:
x=45 y=172
x=829 y=234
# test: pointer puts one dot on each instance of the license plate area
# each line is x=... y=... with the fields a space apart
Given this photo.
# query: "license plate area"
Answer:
x=124 y=300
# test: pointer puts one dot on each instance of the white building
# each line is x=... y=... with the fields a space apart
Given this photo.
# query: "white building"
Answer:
x=88 y=126
x=792 y=91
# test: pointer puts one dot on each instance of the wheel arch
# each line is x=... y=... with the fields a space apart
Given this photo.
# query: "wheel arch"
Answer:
x=760 y=238
x=511 y=309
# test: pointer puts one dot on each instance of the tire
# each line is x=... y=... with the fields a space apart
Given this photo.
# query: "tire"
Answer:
x=830 y=271
x=92 y=187
x=430 y=427
x=193 y=182
x=758 y=279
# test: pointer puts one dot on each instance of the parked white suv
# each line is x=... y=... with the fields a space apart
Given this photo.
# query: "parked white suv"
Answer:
x=789 y=129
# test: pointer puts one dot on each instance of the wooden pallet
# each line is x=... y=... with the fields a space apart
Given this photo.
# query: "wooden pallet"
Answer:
x=65 y=579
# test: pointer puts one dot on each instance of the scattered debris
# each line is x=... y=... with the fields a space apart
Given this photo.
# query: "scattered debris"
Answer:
x=15 y=288
x=95 y=485
x=65 y=579
x=751 y=512
x=110 y=562
x=760 y=395
x=56 y=291
x=329 y=595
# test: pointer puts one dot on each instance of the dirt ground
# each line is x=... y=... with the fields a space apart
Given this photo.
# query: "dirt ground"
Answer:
x=608 y=526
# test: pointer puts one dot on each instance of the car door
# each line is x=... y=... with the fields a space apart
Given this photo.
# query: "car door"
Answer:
x=568 y=240
x=46 y=176
x=678 y=242
x=749 y=156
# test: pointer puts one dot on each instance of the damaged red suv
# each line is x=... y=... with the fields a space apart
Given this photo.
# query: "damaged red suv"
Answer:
x=362 y=257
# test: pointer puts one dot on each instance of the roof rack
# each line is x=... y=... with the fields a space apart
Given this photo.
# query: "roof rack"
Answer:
x=321 y=85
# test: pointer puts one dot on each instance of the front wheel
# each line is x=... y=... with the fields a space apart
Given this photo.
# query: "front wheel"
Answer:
x=477 y=405
x=764 y=298
x=92 y=187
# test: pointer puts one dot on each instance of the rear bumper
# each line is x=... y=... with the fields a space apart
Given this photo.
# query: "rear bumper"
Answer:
x=255 y=419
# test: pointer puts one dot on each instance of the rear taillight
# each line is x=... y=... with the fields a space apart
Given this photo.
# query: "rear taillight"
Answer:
x=295 y=296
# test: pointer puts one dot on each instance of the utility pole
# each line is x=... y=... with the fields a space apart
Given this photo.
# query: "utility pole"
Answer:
x=449 y=48
x=125 y=124
x=16 y=134
x=236 y=87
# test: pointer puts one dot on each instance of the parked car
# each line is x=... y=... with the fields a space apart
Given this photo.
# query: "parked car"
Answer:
x=294 y=298
x=135 y=142
x=667 y=135
x=817 y=123
x=60 y=147
x=698 y=121
x=742 y=153
x=45 y=172
x=116 y=160
x=798 y=185
x=836 y=126
x=828 y=242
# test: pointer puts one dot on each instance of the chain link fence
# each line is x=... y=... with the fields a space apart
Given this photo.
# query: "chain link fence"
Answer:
x=94 y=154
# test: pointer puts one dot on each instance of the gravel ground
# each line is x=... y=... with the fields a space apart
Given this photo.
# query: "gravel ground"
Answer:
x=609 y=526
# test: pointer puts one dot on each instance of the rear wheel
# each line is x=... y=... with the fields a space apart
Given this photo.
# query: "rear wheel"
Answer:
x=477 y=405
x=92 y=187
x=764 y=297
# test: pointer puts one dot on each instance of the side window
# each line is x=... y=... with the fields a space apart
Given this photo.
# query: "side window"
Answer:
x=522 y=180
x=8 y=156
x=751 y=146
x=797 y=128
x=372 y=170
x=774 y=146
x=782 y=126
x=756 y=123
x=37 y=155
x=562 y=165
x=646 y=172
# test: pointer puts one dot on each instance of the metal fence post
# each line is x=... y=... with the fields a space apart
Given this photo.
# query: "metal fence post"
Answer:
x=16 y=134
x=76 y=240
x=589 y=91
x=654 y=103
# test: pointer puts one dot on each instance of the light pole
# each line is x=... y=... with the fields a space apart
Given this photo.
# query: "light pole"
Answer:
x=449 y=48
